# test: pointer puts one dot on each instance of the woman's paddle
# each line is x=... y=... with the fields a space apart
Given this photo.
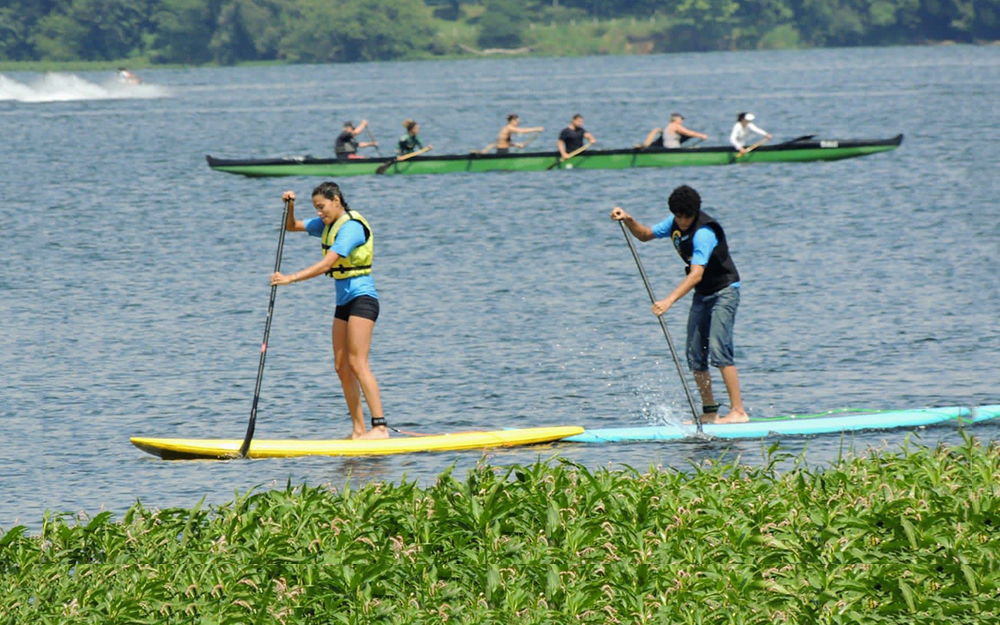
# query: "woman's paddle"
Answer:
x=569 y=156
x=528 y=142
x=384 y=167
x=663 y=324
x=245 y=447
x=753 y=147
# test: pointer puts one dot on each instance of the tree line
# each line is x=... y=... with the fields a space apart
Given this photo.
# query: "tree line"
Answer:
x=231 y=31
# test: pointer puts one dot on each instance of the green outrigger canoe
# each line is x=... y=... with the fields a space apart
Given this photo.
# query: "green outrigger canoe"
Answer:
x=801 y=149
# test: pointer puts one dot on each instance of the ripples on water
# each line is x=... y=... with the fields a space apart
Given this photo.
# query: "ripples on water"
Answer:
x=134 y=283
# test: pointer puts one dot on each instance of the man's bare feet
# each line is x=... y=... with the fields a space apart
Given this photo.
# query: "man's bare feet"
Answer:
x=705 y=418
x=734 y=416
x=376 y=433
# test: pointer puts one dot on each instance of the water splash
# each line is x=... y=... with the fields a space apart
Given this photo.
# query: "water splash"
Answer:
x=58 y=87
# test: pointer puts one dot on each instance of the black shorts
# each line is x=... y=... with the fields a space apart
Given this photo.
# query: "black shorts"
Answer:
x=364 y=306
x=503 y=150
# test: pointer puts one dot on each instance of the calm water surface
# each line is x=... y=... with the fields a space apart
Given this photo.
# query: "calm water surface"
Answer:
x=134 y=280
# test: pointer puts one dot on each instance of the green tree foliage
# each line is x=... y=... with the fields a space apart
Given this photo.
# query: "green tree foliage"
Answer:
x=356 y=30
x=247 y=30
x=501 y=24
x=230 y=31
x=93 y=30
x=183 y=30
x=981 y=18
x=19 y=26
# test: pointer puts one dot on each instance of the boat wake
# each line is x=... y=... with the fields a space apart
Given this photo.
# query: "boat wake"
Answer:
x=57 y=87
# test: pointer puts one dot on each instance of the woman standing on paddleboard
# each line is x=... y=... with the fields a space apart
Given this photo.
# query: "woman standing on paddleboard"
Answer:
x=348 y=249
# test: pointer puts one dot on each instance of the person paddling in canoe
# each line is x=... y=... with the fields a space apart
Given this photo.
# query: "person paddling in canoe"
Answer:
x=571 y=138
x=348 y=249
x=506 y=136
x=673 y=134
x=347 y=143
x=409 y=142
x=741 y=132
x=711 y=273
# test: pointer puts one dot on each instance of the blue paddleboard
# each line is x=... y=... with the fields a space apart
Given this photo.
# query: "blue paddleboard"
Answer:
x=794 y=425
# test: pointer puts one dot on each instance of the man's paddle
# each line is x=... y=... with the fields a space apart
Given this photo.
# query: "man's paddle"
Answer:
x=263 y=346
x=371 y=138
x=663 y=324
x=569 y=156
x=753 y=147
x=384 y=167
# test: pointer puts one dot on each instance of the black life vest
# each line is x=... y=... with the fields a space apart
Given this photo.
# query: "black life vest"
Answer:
x=720 y=271
x=346 y=144
x=408 y=143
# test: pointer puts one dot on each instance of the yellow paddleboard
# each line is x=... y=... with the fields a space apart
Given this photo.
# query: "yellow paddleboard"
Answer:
x=192 y=448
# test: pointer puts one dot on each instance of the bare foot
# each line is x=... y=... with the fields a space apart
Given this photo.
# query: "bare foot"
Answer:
x=708 y=417
x=354 y=435
x=376 y=433
x=734 y=416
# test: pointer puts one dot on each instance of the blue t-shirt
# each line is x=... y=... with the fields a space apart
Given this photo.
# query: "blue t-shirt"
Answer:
x=704 y=242
x=350 y=236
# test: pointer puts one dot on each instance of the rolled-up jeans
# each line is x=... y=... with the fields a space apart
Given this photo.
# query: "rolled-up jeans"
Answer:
x=710 y=329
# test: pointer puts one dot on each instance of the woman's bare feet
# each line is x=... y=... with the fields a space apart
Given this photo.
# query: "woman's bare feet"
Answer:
x=354 y=435
x=376 y=433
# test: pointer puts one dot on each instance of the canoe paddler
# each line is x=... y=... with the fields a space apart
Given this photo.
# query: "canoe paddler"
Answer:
x=348 y=249
x=505 y=138
x=571 y=138
x=711 y=273
x=741 y=132
x=673 y=134
x=347 y=143
x=409 y=142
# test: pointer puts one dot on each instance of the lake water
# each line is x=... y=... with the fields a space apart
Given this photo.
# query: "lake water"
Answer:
x=134 y=280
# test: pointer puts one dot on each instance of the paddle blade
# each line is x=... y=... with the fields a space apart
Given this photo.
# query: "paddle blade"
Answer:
x=384 y=167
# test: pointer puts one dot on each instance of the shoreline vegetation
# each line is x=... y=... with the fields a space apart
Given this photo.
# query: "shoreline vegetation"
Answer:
x=103 y=34
x=495 y=53
x=909 y=536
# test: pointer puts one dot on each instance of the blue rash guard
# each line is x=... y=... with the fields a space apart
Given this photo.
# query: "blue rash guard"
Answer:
x=350 y=236
x=704 y=242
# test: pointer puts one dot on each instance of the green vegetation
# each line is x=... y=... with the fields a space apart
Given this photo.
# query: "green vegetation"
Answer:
x=907 y=537
x=140 y=32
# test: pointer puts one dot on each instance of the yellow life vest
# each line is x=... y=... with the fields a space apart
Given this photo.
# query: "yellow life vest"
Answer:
x=359 y=261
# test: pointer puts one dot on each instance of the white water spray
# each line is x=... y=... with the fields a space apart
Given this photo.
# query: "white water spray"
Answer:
x=58 y=87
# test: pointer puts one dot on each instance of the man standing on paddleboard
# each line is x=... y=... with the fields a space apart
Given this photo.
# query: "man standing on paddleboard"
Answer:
x=348 y=250
x=711 y=272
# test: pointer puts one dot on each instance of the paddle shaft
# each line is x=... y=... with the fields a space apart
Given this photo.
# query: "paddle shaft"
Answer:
x=245 y=447
x=570 y=155
x=753 y=147
x=534 y=136
x=663 y=325
x=386 y=165
x=371 y=138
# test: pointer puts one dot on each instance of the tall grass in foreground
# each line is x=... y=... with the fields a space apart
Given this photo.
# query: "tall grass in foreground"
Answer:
x=891 y=538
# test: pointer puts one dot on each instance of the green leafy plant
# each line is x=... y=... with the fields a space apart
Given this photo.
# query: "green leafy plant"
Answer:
x=907 y=537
